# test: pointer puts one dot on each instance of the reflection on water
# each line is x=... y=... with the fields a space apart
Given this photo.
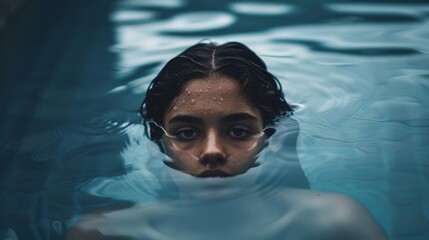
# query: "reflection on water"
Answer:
x=269 y=9
x=72 y=139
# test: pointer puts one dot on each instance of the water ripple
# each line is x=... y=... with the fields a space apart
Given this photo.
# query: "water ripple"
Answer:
x=253 y=8
x=130 y=16
x=152 y=3
x=359 y=51
x=200 y=21
x=418 y=10
x=97 y=131
x=107 y=123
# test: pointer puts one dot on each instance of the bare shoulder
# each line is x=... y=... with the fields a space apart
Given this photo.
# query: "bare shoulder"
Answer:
x=121 y=222
x=90 y=226
x=337 y=216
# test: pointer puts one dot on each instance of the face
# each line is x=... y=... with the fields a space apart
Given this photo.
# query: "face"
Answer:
x=212 y=130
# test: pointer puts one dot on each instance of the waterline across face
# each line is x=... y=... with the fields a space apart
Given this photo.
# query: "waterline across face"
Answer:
x=212 y=130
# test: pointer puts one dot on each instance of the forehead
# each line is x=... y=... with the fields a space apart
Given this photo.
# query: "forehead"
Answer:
x=215 y=97
x=208 y=85
x=222 y=82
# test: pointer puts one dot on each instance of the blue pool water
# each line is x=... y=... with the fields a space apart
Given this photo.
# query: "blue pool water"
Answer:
x=73 y=75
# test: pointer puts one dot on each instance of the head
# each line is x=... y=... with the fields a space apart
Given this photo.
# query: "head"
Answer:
x=211 y=109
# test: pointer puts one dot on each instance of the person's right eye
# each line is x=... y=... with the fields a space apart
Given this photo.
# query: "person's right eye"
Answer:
x=186 y=134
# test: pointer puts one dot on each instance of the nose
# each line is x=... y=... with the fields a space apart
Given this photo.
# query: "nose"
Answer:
x=212 y=154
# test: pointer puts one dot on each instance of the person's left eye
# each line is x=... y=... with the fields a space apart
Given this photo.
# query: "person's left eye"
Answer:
x=239 y=133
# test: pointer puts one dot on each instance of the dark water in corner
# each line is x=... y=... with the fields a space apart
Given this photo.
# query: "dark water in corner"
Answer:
x=73 y=76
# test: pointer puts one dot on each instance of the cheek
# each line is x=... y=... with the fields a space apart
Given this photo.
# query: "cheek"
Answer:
x=243 y=158
x=180 y=157
x=249 y=157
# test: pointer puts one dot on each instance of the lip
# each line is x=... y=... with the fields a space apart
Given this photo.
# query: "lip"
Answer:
x=214 y=173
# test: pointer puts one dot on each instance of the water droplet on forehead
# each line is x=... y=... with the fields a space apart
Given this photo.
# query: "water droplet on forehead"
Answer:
x=192 y=101
x=220 y=88
x=174 y=108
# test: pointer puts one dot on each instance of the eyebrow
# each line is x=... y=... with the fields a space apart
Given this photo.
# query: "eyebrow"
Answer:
x=185 y=118
x=239 y=117
x=230 y=118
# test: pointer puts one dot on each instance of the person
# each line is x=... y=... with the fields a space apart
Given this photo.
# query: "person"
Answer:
x=212 y=111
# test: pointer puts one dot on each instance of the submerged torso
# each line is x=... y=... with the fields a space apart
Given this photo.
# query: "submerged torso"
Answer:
x=300 y=216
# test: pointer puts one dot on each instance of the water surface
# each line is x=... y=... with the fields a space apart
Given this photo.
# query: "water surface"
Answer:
x=73 y=78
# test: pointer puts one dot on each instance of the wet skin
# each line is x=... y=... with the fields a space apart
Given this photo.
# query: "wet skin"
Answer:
x=298 y=214
x=211 y=128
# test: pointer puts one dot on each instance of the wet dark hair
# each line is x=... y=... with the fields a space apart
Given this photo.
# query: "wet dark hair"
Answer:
x=204 y=60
